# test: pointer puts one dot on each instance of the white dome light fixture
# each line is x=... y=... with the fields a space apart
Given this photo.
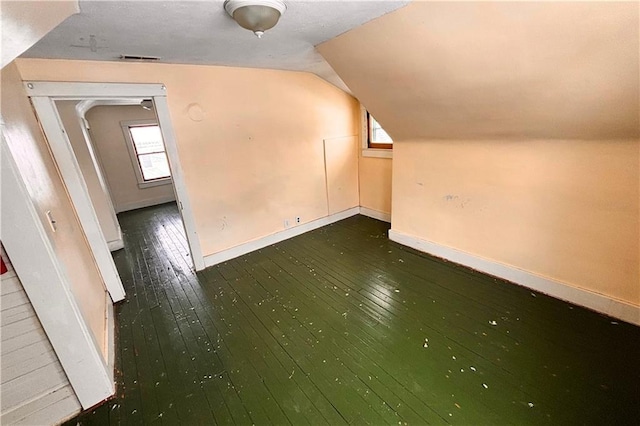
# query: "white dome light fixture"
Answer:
x=256 y=15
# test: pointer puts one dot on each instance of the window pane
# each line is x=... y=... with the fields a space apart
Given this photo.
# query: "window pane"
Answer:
x=147 y=139
x=378 y=135
x=154 y=166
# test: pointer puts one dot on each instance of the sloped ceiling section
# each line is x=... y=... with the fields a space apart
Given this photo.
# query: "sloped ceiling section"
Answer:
x=202 y=33
x=497 y=70
x=23 y=23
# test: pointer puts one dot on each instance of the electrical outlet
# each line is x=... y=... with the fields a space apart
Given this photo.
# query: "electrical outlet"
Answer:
x=286 y=223
x=297 y=219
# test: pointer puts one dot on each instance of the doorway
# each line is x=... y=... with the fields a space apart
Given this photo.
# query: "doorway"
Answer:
x=45 y=96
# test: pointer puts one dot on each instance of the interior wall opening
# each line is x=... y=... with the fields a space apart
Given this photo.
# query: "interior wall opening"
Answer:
x=121 y=154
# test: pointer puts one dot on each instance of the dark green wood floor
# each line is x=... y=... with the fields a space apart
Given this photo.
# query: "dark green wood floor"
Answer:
x=340 y=325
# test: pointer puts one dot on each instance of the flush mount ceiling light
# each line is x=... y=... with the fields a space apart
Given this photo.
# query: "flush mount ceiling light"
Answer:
x=255 y=15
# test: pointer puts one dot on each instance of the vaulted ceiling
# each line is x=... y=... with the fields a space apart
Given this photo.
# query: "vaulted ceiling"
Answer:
x=497 y=70
x=201 y=32
x=427 y=70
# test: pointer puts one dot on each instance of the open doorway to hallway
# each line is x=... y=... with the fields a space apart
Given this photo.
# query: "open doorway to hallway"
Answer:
x=93 y=382
x=122 y=156
x=45 y=97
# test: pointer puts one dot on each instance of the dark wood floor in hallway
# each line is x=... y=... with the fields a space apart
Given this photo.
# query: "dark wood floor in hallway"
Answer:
x=341 y=325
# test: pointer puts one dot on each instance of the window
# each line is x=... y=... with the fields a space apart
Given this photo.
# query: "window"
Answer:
x=375 y=142
x=147 y=152
x=378 y=138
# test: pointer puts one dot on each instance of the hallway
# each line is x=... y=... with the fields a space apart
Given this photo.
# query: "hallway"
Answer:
x=341 y=325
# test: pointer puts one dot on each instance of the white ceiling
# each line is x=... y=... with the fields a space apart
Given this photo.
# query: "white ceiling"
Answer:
x=201 y=32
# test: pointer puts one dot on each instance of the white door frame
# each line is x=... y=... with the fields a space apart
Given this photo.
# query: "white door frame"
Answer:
x=27 y=243
x=44 y=95
x=76 y=186
x=81 y=109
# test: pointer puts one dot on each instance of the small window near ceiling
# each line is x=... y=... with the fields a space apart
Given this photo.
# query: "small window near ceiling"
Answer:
x=378 y=138
x=148 y=153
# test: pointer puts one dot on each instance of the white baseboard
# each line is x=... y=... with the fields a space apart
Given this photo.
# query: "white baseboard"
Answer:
x=597 y=302
x=115 y=245
x=144 y=203
x=375 y=214
x=233 y=252
x=118 y=243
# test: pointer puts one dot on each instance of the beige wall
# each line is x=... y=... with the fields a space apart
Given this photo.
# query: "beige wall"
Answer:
x=374 y=174
x=341 y=163
x=516 y=131
x=29 y=149
x=89 y=167
x=23 y=23
x=250 y=141
x=567 y=210
x=375 y=183
x=111 y=147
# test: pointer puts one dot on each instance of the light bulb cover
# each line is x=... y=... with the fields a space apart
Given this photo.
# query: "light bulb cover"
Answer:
x=255 y=15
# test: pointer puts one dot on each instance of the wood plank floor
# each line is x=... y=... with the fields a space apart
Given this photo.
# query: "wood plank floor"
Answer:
x=341 y=325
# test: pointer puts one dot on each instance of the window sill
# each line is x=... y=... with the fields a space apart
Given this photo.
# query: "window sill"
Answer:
x=143 y=185
x=377 y=153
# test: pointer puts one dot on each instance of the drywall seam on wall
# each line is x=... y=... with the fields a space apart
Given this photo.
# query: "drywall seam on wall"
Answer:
x=597 y=302
x=223 y=256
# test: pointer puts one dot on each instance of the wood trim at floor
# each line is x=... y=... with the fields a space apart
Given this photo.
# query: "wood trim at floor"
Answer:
x=233 y=252
x=597 y=302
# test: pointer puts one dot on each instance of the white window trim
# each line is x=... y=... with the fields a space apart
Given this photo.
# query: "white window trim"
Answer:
x=364 y=132
x=142 y=184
